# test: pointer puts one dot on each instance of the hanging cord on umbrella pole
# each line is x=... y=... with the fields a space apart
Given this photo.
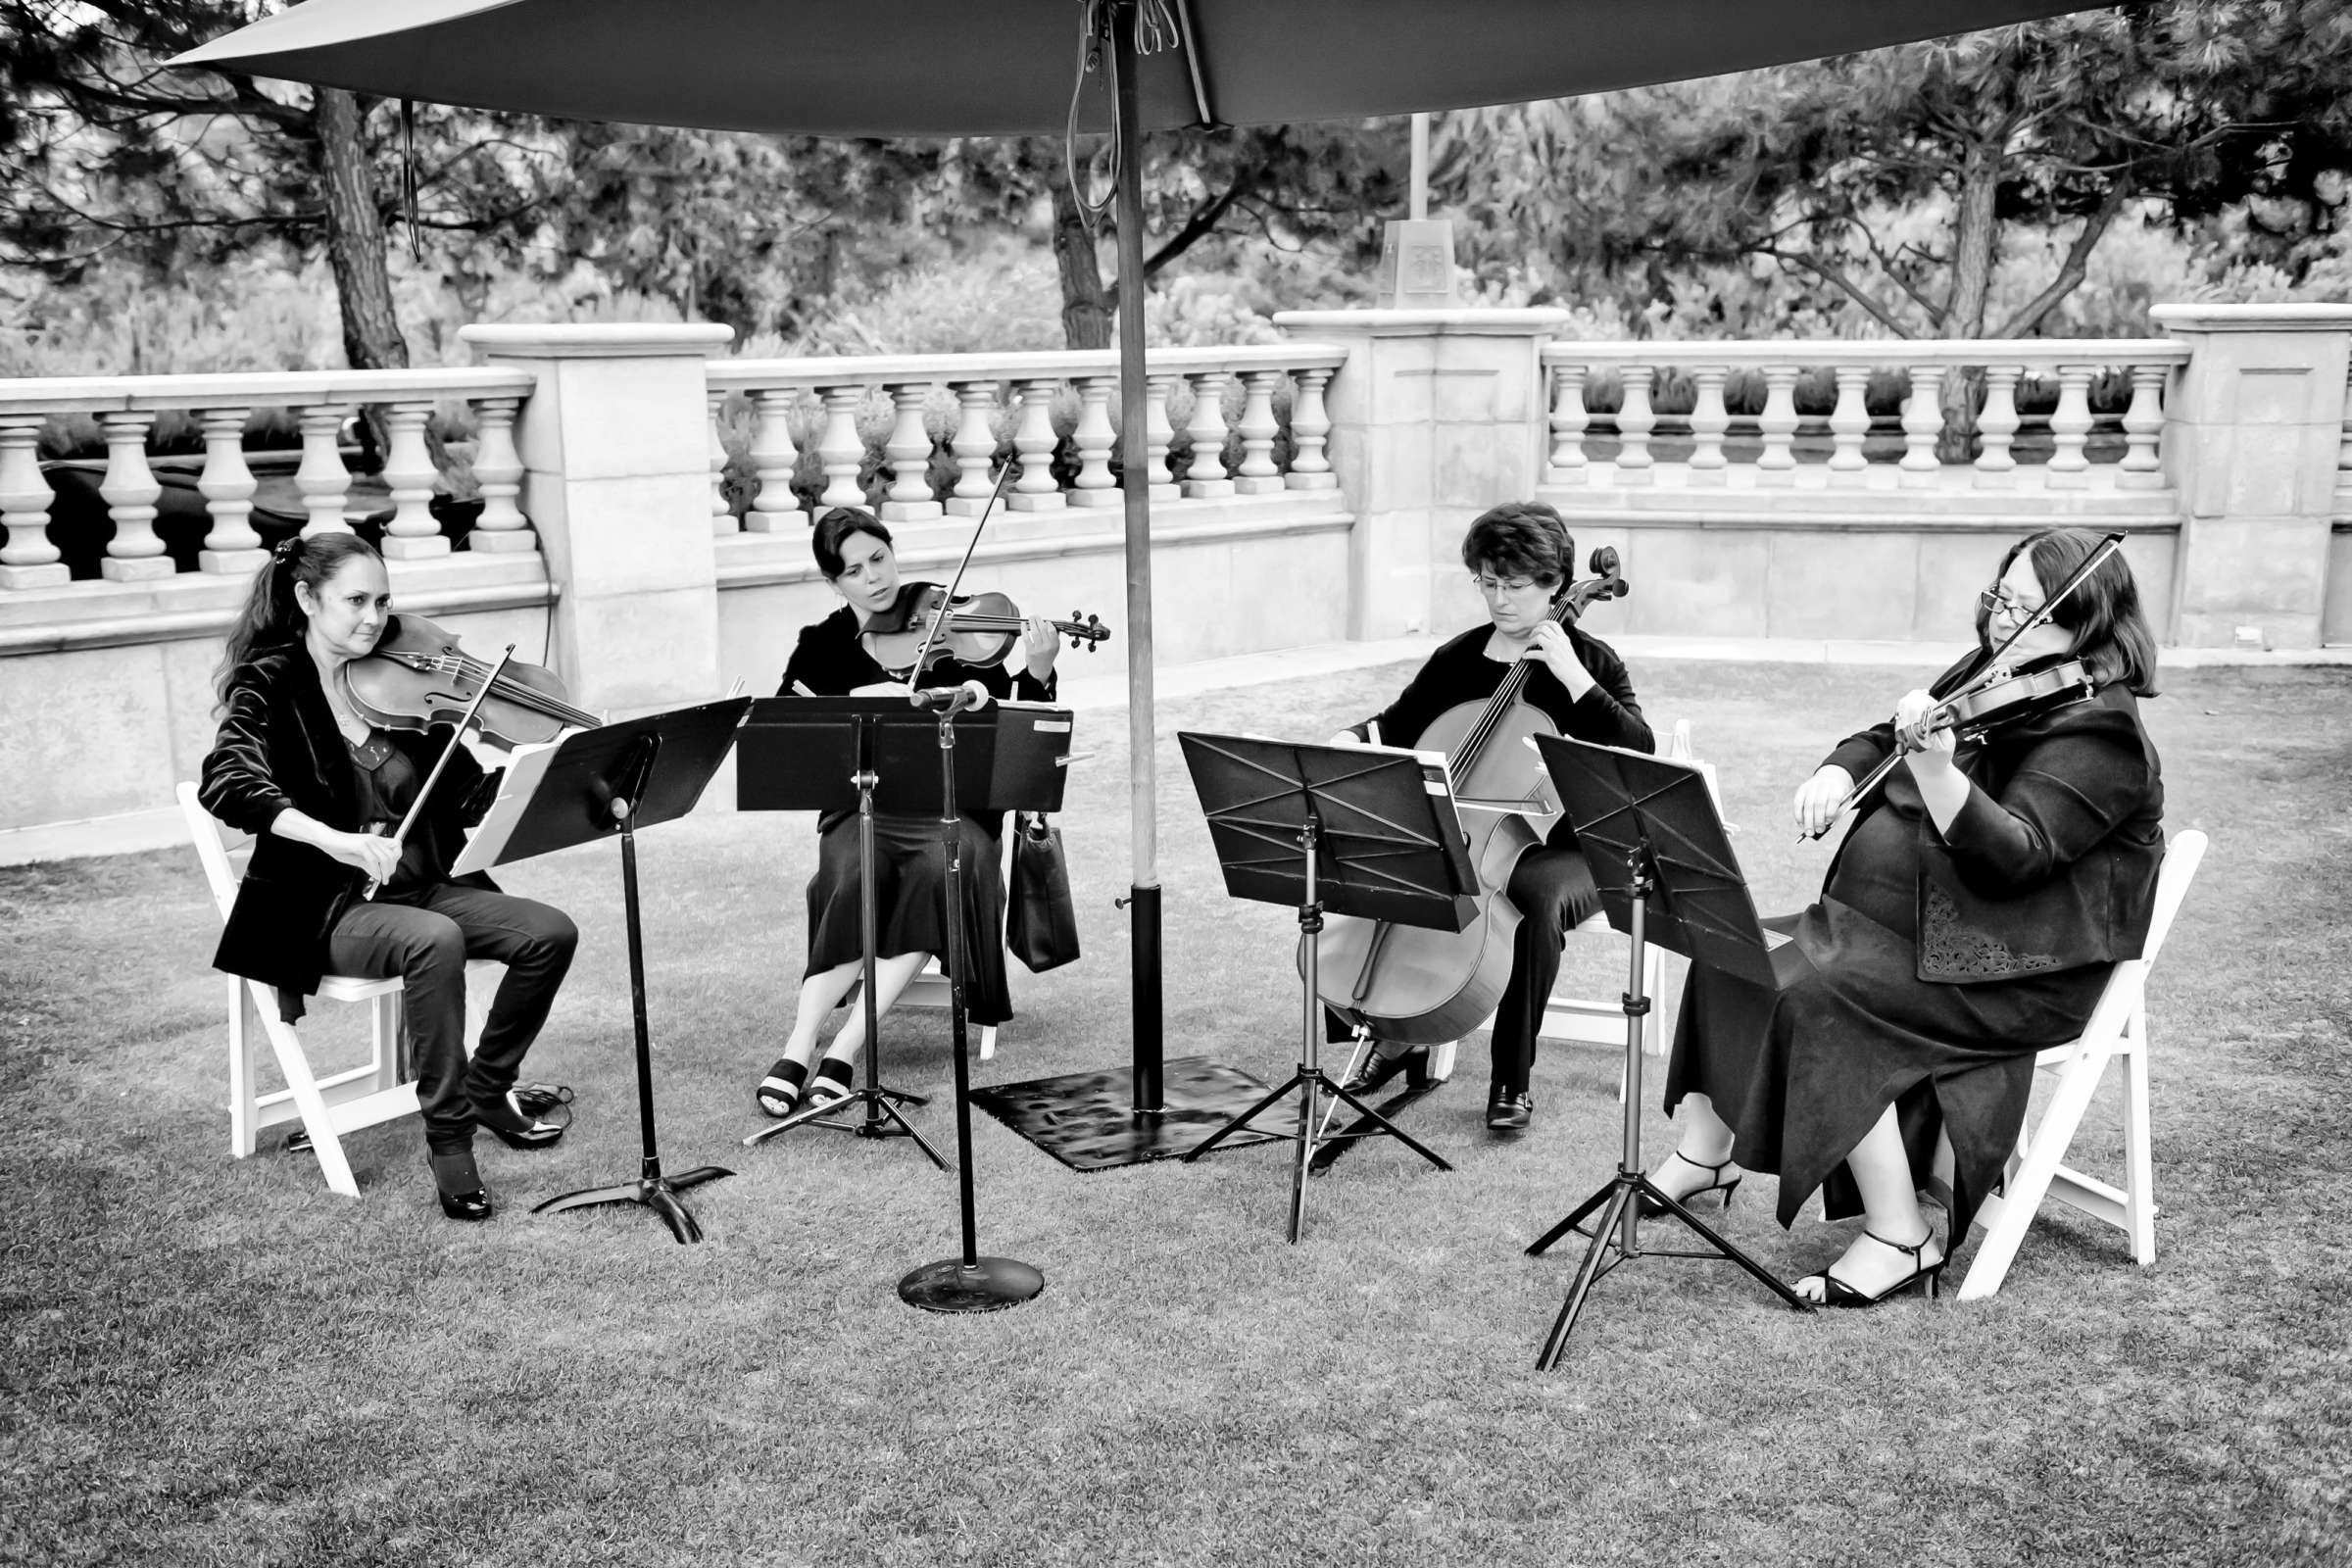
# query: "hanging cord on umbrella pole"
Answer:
x=408 y=177
x=1157 y=29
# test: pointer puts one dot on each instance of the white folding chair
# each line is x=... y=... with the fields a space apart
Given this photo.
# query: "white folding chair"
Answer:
x=2117 y=1028
x=328 y=1106
x=1600 y=1021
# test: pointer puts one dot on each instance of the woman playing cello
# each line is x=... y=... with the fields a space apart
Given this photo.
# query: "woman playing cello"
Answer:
x=854 y=551
x=303 y=770
x=1969 y=919
x=1519 y=556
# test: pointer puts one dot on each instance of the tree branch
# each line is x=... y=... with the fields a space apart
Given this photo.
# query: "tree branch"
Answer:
x=2078 y=262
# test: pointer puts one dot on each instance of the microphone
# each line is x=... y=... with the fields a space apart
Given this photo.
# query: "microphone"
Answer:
x=945 y=698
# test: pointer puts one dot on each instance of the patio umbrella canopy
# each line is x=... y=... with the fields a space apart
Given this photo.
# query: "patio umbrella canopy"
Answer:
x=959 y=68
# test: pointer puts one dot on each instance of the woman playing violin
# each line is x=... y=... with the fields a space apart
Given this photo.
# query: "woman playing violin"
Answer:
x=832 y=659
x=1969 y=919
x=1519 y=556
x=301 y=769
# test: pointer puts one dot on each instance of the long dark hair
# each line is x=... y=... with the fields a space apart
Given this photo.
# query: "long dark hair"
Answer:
x=272 y=616
x=2111 y=633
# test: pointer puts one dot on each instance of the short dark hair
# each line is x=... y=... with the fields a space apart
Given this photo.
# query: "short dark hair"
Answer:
x=2111 y=633
x=1521 y=539
x=835 y=526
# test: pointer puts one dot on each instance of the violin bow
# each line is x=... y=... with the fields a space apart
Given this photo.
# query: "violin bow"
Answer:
x=939 y=622
x=400 y=837
x=2075 y=579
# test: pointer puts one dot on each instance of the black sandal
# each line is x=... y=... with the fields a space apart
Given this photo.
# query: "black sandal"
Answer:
x=1834 y=1291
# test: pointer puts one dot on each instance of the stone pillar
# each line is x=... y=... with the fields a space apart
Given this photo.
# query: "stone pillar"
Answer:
x=1436 y=416
x=2252 y=432
x=617 y=482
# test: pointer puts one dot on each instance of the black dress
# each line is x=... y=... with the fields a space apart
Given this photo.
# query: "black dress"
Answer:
x=1551 y=886
x=910 y=871
x=1935 y=964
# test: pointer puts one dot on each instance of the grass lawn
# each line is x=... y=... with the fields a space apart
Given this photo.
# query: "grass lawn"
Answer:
x=211 y=1362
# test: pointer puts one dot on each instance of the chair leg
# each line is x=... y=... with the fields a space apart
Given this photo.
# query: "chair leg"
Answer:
x=316 y=1117
x=2139 y=1170
x=243 y=1133
x=2032 y=1178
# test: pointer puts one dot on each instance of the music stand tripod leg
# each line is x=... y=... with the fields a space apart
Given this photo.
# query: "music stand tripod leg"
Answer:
x=651 y=1190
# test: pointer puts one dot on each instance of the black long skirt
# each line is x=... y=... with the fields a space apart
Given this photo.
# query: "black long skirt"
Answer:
x=1800 y=1071
x=910 y=896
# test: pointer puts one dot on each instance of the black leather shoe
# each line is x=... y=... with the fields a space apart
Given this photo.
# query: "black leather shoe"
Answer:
x=1508 y=1110
x=460 y=1185
x=1378 y=1069
x=514 y=1129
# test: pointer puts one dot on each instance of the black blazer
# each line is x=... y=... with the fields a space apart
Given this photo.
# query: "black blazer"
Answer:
x=2051 y=864
x=278 y=748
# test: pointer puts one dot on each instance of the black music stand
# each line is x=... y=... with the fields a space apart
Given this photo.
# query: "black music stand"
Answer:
x=1666 y=873
x=1002 y=758
x=615 y=779
x=1344 y=828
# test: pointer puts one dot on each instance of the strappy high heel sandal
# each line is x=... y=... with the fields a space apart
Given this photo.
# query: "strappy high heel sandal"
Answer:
x=1834 y=1291
x=1651 y=1208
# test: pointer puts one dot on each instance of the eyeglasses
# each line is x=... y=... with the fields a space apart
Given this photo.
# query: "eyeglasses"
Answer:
x=1997 y=597
x=1491 y=586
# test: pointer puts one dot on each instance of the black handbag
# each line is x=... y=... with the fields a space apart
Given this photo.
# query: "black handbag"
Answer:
x=1040 y=923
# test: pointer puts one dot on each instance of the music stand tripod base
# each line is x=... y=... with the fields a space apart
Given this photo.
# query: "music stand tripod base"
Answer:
x=983 y=1285
x=652 y=1190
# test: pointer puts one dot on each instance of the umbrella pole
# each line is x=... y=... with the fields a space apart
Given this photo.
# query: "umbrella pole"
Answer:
x=1143 y=900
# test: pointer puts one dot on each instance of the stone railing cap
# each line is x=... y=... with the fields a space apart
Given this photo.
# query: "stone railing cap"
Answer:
x=587 y=340
x=2279 y=318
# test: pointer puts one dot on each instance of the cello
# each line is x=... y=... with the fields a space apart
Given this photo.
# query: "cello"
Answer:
x=1422 y=987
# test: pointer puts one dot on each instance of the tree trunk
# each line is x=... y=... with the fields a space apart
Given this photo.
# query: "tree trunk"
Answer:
x=1086 y=308
x=1975 y=236
x=356 y=248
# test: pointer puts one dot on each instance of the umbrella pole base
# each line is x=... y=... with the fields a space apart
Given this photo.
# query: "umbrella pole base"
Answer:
x=983 y=1285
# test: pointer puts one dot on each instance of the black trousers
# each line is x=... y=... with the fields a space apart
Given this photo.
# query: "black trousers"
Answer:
x=424 y=936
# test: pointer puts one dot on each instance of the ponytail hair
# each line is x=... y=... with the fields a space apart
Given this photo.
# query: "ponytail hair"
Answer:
x=272 y=616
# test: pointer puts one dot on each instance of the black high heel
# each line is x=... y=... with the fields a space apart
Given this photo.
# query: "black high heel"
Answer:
x=1651 y=1208
x=513 y=1128
x=1834 y=1291
x=459 y=1185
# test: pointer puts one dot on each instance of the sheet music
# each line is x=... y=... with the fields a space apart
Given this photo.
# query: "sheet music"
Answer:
x=527 y=765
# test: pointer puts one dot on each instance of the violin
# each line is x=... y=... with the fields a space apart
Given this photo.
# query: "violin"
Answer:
x=924 y=624
x=2012 y=699
x=1424 y=987
x=419 y=676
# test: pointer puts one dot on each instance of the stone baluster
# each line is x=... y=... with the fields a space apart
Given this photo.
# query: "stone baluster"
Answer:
x=1635 y=422
x=1310 y=433
x=2143 y=468
x=2070 y=427
x=1996 y=427
x=1710 y=423
x=908 y=498
x=1850 y=424
x=2344 y=453
x=974 y=445
x=774 y=456
x=1775 y=465
x=131 y=489
x=1159 y=434
x=29 y=559
x=1570 y=419
x=1033 y=438
x=1922 y=425
x=840 y=448
x=230 y=547
x=1205 y=431
x=722 y=516
x=1095 y=437
x=321 y=476
x=501 y=528
x=1257 y=474
x=414 y=533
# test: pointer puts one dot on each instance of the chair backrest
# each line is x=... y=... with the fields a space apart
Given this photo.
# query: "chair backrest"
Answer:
x=2180 y=857
x=204 y=831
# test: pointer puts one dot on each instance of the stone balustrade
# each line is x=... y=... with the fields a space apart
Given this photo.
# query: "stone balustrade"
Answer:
x=916 y=437
x=1703 y=445
x=126 y=410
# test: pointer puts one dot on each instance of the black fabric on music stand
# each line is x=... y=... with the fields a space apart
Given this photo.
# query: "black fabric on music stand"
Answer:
x=616 y=778
x=1328 y=828
x=1666 y=873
